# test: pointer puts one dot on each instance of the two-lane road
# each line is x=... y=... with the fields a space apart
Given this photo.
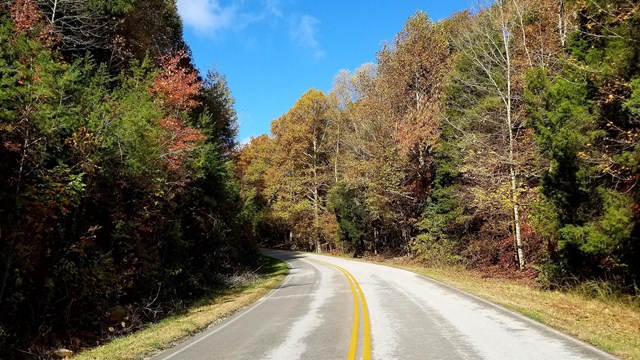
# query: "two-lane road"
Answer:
x=332 y=308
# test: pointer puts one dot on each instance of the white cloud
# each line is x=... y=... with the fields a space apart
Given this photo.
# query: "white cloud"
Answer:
x=207 y=16
x=214 y=17
x=303 y=30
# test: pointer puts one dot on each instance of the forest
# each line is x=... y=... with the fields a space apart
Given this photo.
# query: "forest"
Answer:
x=504 y=139
x=118 y=202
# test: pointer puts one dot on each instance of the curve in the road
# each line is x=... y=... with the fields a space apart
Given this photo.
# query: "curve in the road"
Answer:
x=320 y=312
x=357 y=295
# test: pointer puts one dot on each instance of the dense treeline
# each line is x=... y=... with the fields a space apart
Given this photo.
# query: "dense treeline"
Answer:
x=117 y=194
x=505 y=139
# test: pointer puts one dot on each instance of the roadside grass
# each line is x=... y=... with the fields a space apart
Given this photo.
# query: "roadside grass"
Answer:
x=171 y=330
x=610 y=324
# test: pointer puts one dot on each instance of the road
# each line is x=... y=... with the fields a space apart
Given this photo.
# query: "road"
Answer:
x=334 y=308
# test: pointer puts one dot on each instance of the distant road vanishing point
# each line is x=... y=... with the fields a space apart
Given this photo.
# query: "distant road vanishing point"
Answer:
x=334 y=308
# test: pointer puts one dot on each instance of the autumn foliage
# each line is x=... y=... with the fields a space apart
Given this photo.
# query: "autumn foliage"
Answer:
x=28 y=18
x=25 y=15
x=179 y=141
x=117 y=205
x=504 y=139
x=177 y=84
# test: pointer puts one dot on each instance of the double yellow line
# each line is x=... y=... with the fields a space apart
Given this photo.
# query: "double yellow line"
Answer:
x=358 y=297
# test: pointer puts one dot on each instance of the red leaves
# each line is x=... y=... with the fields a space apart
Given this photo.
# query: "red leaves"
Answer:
x=177 y=85
x=25 y=15
x=179 y=141
x=177 y=88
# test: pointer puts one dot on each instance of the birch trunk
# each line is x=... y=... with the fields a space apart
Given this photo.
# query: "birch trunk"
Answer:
x=316 y=197
x=512 y=171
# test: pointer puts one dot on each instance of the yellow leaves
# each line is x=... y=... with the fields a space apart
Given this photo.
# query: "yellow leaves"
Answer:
x=8 y=127
x=605 y=167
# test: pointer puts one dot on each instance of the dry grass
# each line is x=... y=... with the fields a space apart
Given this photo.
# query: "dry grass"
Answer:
x=170 y=331
x=612 y=325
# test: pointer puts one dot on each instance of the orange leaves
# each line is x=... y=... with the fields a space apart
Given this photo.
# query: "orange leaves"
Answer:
x=179 y=141
x=177 y=85
x=413 y=76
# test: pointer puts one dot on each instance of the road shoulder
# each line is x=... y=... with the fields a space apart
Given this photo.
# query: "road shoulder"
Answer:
x=175 y=329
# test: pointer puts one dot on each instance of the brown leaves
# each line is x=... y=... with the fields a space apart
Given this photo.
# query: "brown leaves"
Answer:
x=12 y=146
x=413 y=76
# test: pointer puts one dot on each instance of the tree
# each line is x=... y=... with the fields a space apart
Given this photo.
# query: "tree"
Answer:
x=301 y=173
x=352 y=217
x=586 y=126
x=496 y=48
x=391 y=113
x=216 y=112
x=415 y=70
x=118 y=200
x=347 y=91
x=252 y=164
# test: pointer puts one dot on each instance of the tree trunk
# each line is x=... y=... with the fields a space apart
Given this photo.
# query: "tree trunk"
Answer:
x=516 y=219
x=512 y=170
x=562 y=24
x=375 y=240
x=335 y=165
x=316 y=197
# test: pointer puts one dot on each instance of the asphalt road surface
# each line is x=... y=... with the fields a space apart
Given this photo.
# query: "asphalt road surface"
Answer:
x=333 y=308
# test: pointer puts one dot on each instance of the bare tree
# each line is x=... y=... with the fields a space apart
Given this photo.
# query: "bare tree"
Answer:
x=486 y=45
x=78 y=24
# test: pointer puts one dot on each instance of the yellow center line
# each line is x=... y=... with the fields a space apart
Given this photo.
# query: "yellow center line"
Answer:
x=366 y=346
x=353 y=346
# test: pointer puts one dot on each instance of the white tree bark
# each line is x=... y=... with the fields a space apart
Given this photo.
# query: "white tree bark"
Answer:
x=506 y=31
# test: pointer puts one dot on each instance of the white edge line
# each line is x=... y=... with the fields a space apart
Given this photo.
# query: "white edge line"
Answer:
x=245 y=312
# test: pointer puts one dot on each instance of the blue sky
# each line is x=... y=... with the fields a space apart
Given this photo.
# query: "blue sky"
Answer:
x=272 y=51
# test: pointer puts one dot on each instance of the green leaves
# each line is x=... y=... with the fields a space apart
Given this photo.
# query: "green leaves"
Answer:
x=632 y=104
x=117 y=183
x=586 y=125
x=352 y=214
